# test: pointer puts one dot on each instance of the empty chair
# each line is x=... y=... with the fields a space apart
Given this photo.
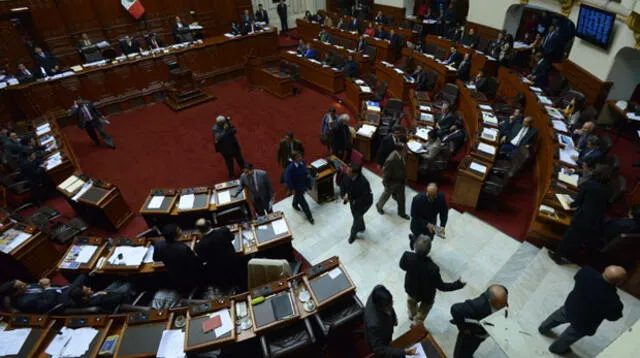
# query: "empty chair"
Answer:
x=339 y=315
x=509 y=104
x=394 y=107
x=293 y=340
x=262 y=271
x=449 y=93
x=381 y=91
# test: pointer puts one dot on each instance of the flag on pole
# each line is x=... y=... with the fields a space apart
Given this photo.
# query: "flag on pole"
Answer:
x=134 y=7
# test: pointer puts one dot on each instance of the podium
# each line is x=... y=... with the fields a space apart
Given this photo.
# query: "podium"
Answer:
x=185 y=92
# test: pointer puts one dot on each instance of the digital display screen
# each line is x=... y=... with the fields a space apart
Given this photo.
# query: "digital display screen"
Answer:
x=595 y=25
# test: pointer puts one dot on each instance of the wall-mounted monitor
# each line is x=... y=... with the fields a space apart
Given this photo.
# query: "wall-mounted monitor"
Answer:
x=595 y=25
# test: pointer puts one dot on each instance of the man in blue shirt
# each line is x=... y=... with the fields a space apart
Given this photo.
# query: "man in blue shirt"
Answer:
x=310 y=52
x=296 y=180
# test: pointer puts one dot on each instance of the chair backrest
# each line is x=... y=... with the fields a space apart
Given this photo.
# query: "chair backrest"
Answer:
x=605 y=144
x=394 y=104
x=492 y=87
x=619 y=186
x=262 y=271
x=559 y=85
x=432 y=80
x=450 y=93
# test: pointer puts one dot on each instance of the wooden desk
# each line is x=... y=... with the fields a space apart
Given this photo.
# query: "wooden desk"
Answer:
x=469 y=183
x=419 y=335
x=363 y=60
x=355 y=96
x=269 y=79
x=323 y=77
x=99 y=322
x=198 y=341
x=28 y=246
x=323 y=188
x=40 y=326
x=120 y=85
x=157 y=213
x=69 y=263
x=398 y=86
x=47 y=134
x=141 y=333
x=478 y=59
x=100 y=204
x=262 y=314
x=328 y=281
x=445 y=73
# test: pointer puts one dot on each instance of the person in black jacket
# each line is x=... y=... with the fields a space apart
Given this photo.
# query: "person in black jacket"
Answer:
x=422 y=279
x=91 y=121
x=592 y=300
x=351 y=68
x=425 y=209
x=40 y=297
x=454 y=58
x=388 y=144
x=227 y=144
x=540 y=73
x=445 y=120
x=591 y=204
x=107 y=300
x=379 y=320
x=470 y=333
x=471 y=39
x=282 y=14
x=183 y=267
x=614 y=227
x=46 y=61
x=464 y=69
x=457 y=136
x=129 y=45
x=217 y=254
x=341 y=138
x=25 y=75
x=356 y=191
x=262 y=15
x=153 y=42
x=420 y=78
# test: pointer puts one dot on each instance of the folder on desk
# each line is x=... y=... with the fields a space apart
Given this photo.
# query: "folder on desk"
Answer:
x=486 y=148
x=571 y=179
x=559 y=126
x=565 y=200
x=329 y=284
x=426 y=117
x=94 y=194
x=478 y=168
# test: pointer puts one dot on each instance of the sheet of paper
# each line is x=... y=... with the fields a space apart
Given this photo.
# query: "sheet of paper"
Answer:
x=566 y=177
x=487 y=148
x=86 y=186
x=57 y=344
x=478 y=167
x=471 y=86
x=566 y=155
x=426 y=117
x=13 y=238
x=565 y=140
x=224 y=197
x=536 y=89
x=622 y=104
x=485 y=107
x=131 y=255
x=13 y=340
x=490 y=134
x=225 y=319
x=70 y=180
x=171 y=344
x=544 y=100
x=86 y=253
x=559 y=126
x=365 y=89
x=398 y=70
x=155 y=202
x=415 y=147
x=419 y=351
x=425 y=108
x=148 y=257
x=279 y=226
x=367 y=130
x=186 y=201
x=358 y=81
x=335 y=273
x=213 y=198
x=422 y=133
x=488 y=117
x=633 y=116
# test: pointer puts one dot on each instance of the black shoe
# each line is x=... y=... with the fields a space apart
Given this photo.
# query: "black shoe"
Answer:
x=405 y=216
x=380 y=211
x=543 y=332
x=352 y=239
x=411 y=240
x=311 y=221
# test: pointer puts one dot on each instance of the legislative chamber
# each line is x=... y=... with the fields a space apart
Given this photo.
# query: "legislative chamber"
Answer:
x=333 y=178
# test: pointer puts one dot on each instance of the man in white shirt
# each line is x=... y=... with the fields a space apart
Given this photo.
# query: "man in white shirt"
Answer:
x=520 y=134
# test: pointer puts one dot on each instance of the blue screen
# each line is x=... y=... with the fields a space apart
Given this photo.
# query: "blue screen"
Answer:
x=595 y=25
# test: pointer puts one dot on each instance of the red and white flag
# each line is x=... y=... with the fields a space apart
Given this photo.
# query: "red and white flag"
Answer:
x=134 y=7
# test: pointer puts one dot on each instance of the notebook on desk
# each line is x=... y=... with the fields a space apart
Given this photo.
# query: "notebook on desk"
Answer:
x=94 y=194
x=141 y=340
x=273 y=309
x=329 y=284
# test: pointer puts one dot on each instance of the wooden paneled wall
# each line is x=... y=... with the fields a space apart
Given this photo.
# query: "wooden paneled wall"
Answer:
x=59 y=23
x=595 y=90
x=397 y=13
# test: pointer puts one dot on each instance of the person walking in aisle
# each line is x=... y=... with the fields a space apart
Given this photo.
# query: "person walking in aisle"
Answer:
x=393 y=178
x=425 y=209
x=227 y=144
x=296 y=178
x=282 y=13
x=91 y=121
x=356 y=191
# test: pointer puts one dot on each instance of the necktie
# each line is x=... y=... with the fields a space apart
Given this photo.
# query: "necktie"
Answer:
x=85 y=112
x=518 y=138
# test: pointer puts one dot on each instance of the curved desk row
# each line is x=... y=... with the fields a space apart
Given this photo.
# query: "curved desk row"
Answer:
x=313 y=72
x=240 y=318
x=478 y=58
x=60 y=160
x=363 y=60
x=138 y=78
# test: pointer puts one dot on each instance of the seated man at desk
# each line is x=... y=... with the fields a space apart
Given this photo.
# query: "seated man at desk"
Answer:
x=25 y=75
x=520 y=134
x=454 y=58
x=107 y=300
x=310 y=52
x=482 y=82
x=379 y=19
x=432 y=149
x=235 y=29
x=217 y=254
x=129 y=45
x=464 y=69
x=614 y=227
x=32 y=170
x=351 y=68
x=183 y=267
x=581 y=136
x=260 y=188
x=331 y=60
x=457 y=136
x=45 y=61
x=381 y=33
x=362 y=45
x=505 y=125
x=493 y=49
x=324 y=36
x=343 y=23
x=445 y=120
x=420 y=78
x=457 y=34
x=395 y=41
x=302 y=47
x=262 y=15
x=88 y=49
x=379 y=320
x=181 y=31
x=591 y=153
x=354 y=25
x=153 y=42
x=470 y=39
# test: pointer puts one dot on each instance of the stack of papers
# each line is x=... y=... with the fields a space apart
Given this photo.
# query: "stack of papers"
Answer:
x=622 y=104
x=155 y=202
x=279 y=226
x=544 y=99
x=478 y=167
x=536 y=89
x=71 y=184
x=565 y=140
x=419 y=351
x=526 y=80
x=186 y=201
x=566 y=155
x=489 y=134
x=485 y=107
x=386 y=63
x=415 y=147
x=365 y=89
x=171 y=344
x=85 y=186
x=130 y=255
x=291 y=52
x=425 y=108
x=11 y=239
x=422 y=133
x=486 y=148
x=224 y=197
x=398 y=70
x=148 y=256
x=471 y=86
x=568 y=177
x=71 y=342
x=451 y=68
x=12 y=341
x=565 y=200
x=633 y=116
x=85 y=253
x=373 y=106
x=358 y=81
x=488 y=117
x=426 y=117
x=560 y=126
x=554 y=112
x=232 y=36
x=53 y=161
x=367 y=130
x=45 y=128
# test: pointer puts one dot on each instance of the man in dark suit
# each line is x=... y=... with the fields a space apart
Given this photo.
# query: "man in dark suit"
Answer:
x=445 y=120
x=217 y=254
x=153 y=42
x=581 y=136
x=394 y=175
x=354 y=24
x=183 y=268
x=25 y=75
x=296 y=179
x=454 y=58
x=493 y=49
x=471 y=39
x=129 y=46
x=227 y=144
x=456 y=35
x=590 y=205
x=246 y=22
x=379 y=19
x=181 y=31
x=420 y=78
x=381 y=33
x=260 y=189
x=591 y=153
x=379 y=320
x=520 y=134
x=235 y=29
x=351 y=68
x=553 y=45
x=40 y=297
x=262 y=15
x=46 y=61
x=361 y=46
x=341 y=138
x=91 y=121
x=457 y=136
x=470 y=333
x=540 y=74
x=287 y=146
x=592 y=300
x=89 y=52
x=282 y=14
x=505 y=126
x=464 y=70
x=310 y=52
x=614 y=227
x=481 y=81
x=425 y=209
x=32 y=170
x=421 y=280
x=356 y=191
x=107 y=300
x=388 y=145
x=396 y=42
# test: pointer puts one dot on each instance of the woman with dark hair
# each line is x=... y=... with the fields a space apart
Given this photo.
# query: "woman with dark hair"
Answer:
x=574 y=110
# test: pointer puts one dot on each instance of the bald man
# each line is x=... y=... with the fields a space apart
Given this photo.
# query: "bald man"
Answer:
x=593 y=299
x=425 y=209
x=581 y=136
x=470 y=333
x=217 y=254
